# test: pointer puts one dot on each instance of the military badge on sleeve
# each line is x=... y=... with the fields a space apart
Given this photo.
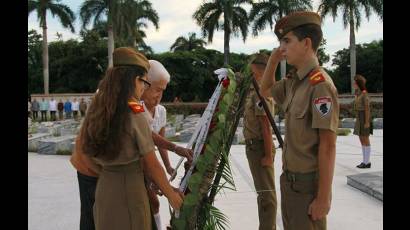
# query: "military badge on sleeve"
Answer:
x=323 y=105
x=259 y=105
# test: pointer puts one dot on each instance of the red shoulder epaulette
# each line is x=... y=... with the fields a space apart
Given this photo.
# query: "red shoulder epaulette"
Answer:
x=136 y=107
x=315 y=77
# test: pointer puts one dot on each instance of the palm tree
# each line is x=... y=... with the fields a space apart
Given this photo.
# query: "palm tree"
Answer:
x=352 y=16
x=184 y=44
x=268 y=11
x=134 y=15
x=235 y=20
x=66 y=16
x=96 y=9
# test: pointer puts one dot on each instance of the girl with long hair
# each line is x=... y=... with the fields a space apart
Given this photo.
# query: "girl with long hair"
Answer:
x=116 y=136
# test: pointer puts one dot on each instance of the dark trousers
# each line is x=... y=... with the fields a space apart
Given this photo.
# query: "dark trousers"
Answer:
x=35 y=115
x=53 y=115
x=87 y=186
x=43 y=115
x=60 y=115
x=75 y=113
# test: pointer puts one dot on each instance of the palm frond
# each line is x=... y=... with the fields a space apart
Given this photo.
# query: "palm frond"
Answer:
x=204 y=11
x=90 y=9
x=240 y=20
x=358 y=17
x=32 y=5
x=346 y=17
x=211 y=218
x=211 y=24
x=64 y=14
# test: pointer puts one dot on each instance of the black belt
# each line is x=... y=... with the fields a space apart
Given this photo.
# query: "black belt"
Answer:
x=293 y=177
x=253 y=141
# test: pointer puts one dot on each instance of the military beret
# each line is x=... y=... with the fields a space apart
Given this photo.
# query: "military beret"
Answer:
x=128 y=56
x=260 y=58
x=295 y=19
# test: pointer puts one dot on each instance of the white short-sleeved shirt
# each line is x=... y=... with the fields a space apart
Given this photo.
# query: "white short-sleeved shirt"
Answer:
x=52 y=105
x=75 y=106
x=159 y=120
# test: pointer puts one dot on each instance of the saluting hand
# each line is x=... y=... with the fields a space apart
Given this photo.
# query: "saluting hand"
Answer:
x=278 y=54
x=318 y=209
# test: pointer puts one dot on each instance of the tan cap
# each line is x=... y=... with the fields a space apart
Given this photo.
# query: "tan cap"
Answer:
x=260 y=59
x=295 y=19
x=129 y=56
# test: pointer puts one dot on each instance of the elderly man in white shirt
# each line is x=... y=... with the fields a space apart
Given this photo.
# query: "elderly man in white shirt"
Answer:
x=156 y=115
x=52 y=105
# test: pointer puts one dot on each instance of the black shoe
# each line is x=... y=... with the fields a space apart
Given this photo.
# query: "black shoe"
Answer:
x=364 y=166
x=361 y=166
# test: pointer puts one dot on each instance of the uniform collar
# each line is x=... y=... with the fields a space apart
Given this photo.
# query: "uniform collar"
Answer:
x=309 y=66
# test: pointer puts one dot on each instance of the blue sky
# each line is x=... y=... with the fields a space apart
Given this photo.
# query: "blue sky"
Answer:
x=176 y=20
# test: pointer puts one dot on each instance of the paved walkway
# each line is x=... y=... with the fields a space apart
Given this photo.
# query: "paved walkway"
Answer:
x=53 y=197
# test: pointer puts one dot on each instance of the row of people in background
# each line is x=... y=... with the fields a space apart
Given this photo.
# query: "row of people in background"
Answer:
x=70 y=109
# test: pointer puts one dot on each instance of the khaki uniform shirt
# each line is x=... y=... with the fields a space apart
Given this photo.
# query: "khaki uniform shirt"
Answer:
x=253 y=108
x=307 y=108
x=137 y=142
x=361 y=101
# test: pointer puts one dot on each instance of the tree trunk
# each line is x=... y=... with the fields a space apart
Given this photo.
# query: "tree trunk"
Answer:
x=226 y=48
x=45 y=57
x=110 y=45
x=282 y=69
x=227 y=34
x=283 y=62
x=352 y=52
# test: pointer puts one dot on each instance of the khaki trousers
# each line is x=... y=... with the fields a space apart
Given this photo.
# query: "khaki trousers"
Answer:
x=264 y=181
x=296 y=196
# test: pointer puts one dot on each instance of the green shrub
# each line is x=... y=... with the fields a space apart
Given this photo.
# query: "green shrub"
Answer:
x=343 y=132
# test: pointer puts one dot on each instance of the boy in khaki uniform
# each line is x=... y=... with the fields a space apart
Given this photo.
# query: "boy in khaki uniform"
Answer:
x=260 y=149
x=309 y=99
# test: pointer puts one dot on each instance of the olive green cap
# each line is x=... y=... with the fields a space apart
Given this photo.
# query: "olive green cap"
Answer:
x=126 y=56
x=260 y=59
x=295 y=19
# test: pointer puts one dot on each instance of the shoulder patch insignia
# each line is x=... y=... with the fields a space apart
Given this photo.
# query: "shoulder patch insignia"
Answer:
x=136 y=107
x=315 y=77
x=323 y=105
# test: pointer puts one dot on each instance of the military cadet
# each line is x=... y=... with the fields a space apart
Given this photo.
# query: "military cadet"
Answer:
x=310 y=102
x=260 y=148
x=363 y=127
x=116 y=136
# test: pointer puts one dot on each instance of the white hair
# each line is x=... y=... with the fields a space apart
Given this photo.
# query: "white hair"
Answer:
x=157 y=72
